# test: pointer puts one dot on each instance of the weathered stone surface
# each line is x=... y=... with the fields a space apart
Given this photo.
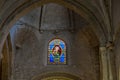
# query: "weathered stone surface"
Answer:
x=102 y=14
x=30 y=58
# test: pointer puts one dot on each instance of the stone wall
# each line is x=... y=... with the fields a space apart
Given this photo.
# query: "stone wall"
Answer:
x=30 y=56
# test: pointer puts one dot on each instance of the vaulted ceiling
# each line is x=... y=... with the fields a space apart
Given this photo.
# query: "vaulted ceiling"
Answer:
x=102 y=14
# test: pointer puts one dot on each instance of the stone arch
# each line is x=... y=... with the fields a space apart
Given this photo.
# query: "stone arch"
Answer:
x=58 y=75
x=27 y=6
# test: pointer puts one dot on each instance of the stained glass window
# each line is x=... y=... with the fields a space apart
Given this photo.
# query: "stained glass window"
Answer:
x=57 y=52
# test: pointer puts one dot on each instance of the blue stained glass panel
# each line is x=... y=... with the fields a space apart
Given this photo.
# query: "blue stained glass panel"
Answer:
x=57 y=52
x=51 y=47
x=62 y=58
x=51 y=58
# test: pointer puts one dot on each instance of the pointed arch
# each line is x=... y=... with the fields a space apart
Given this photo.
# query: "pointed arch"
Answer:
x=55 y=75
x=21 y=8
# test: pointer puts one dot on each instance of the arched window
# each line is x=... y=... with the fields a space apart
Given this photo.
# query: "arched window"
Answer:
x=57 y=52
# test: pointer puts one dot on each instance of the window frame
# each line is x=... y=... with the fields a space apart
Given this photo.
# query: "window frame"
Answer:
x=48 y=60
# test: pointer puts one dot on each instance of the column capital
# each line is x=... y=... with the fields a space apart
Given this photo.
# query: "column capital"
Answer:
x=102 y=44
x=102 y=50
x=110 y=45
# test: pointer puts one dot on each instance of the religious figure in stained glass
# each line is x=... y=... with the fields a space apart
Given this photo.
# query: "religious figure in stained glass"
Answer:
x=57 y=52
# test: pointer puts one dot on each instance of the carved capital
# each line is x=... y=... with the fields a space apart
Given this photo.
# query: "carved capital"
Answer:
x=110 y=45
x=102 y=50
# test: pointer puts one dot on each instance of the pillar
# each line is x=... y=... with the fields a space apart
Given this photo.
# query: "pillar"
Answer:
x=103 y=63
x=107 y=62
x=111 y=61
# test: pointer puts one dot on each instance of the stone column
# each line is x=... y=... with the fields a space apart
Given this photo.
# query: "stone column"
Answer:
x=103 y=63
x=107 y=62
x=111 y=61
